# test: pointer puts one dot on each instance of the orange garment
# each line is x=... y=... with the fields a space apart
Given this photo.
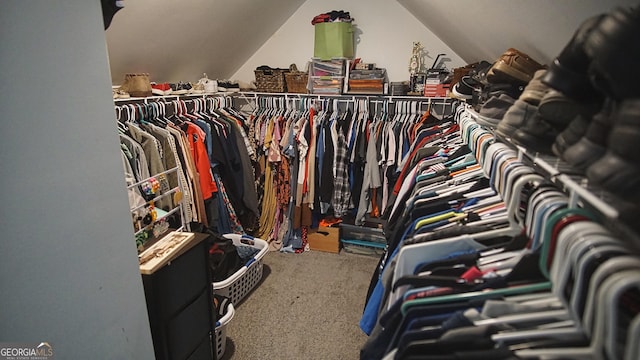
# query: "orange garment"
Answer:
x=375 y=211
x=198 y=148
x=329 y=221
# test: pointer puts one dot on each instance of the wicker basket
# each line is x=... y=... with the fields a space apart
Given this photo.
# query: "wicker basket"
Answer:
x=297 y=81
x=271 y=80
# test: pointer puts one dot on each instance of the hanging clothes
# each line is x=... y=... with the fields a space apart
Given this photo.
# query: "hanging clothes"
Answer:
x=191 y=141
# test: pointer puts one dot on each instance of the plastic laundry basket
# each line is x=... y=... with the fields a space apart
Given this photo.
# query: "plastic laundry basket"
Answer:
x=221 y=331
x=238 y=285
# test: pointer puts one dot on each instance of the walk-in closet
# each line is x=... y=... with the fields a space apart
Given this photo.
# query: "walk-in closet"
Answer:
x=306 y=179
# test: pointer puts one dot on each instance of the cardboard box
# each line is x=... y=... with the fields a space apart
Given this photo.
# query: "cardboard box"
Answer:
x=325 y=239
x=333 y=40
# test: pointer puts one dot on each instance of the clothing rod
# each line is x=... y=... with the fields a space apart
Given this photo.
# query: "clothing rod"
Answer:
x=576 y=189
x=170 y=97
x=391 y=98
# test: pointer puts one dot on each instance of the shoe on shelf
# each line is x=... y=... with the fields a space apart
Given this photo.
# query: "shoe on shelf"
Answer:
x=479 y=72
x=119 y=94
x=464 y=88
x=180 y=88
x=614 y=50
x=560 y=110
x=233 y=86
x=518 y=114
x=568 y=73
x=494 y=109
x=482 y=95
x=162 y=89
x=593 y=144
x=535 y=89
x=618 y=171
x=513 y=66
x=210 y=86
x=222 y=85
x=197 y=88
x=536 y=134
x=571 y=135
x=228 y=86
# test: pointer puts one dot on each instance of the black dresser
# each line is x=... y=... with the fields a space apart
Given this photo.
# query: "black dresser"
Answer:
x=180 y=305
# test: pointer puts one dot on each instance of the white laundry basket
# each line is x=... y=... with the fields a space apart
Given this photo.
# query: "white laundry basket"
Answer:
x=238 y=285
x=221 y=331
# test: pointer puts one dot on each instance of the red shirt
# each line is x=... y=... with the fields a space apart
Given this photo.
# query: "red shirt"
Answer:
x=201 y=158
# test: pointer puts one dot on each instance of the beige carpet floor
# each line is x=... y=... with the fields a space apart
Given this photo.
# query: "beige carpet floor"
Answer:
x=307 y=306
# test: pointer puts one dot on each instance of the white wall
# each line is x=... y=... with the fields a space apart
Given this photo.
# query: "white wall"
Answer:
x=68 y=267
x=483 y=30
x=387 y=29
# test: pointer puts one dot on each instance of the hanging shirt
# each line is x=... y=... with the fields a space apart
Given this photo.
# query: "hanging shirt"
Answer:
x=198 y=149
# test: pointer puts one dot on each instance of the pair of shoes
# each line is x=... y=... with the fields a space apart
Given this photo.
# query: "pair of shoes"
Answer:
x=568 y=71
x=614 y=50
x=119 y=94
x=525 y=109
x=535 y=89
x=228 y=86
x=513 y=66
x=519 y=114
x=534 y=120
x=592 y=144
x=482 y=95
x=161 y=89
x=474 y=81
x=600 y=59
x=479 y=72
x=180 y=88
x=618 y=169
x=197 y=88
x=464 y=88
x=210 y=86
x=493 y=110
x=556 y=124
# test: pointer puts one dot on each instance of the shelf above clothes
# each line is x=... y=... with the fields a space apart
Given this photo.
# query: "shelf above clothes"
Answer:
x=167 y=97
x=345 y=96
x=387 y=103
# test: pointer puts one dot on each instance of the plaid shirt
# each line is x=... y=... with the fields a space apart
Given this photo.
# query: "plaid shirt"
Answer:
x=341 y=201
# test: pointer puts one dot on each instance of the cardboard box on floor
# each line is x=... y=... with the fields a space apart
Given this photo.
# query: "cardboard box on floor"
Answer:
x=324 y=239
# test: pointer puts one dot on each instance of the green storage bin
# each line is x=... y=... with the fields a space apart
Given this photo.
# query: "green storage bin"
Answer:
x=333 y=40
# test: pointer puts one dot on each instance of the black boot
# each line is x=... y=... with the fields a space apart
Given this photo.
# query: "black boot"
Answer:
x=536 y=134
x=618 y=171
x=568 y=72
x=574 y=132
x=593 y=144
x=614 y=50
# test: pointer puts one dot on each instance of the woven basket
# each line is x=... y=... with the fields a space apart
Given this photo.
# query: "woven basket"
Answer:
x=271 y=80
x=137 y=85
x=297 y=81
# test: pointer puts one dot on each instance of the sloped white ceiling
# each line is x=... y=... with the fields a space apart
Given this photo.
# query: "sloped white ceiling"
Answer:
x=484 y=29
x=179 y=40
